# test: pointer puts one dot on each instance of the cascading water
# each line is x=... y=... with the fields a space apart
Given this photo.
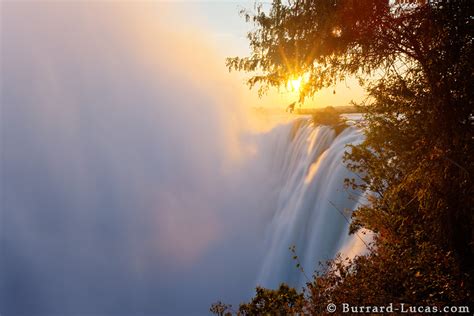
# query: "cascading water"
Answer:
x=311 y=201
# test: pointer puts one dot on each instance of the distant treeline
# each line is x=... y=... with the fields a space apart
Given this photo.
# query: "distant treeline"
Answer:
x=337 y=109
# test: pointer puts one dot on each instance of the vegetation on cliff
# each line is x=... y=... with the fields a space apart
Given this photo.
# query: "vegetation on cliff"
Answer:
x=415 y=61
x=331 y=117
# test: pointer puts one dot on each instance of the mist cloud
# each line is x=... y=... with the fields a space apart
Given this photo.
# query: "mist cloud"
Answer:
x=123 y=185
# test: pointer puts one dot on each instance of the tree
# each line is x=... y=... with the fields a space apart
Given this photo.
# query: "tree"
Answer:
x=328 y=40
x=415 y=61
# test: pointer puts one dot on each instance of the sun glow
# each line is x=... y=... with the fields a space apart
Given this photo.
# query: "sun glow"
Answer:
x=294 y=85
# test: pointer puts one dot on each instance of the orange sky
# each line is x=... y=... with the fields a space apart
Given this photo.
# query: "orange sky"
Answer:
x=226 y=32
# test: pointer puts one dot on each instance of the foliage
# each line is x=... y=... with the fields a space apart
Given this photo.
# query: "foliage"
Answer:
x=418 y=156
x=283 y=301
x=327 y=40
x=328 y=116
x=221 y=309
x=331 y=117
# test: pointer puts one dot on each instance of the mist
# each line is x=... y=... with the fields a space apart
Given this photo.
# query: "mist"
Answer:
x=130 y=183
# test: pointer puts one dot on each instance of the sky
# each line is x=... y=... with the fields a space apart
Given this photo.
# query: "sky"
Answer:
x=227 y=31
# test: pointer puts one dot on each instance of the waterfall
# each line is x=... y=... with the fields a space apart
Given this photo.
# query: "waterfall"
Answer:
x=312 y=207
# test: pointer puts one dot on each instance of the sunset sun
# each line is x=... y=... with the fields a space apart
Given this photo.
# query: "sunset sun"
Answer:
x=294 y=84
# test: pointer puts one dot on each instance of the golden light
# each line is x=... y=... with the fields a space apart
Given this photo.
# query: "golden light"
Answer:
x=336 y=31
x=294 y=84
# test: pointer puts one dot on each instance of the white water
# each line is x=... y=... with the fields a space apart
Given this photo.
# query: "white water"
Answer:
x=313 y=207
